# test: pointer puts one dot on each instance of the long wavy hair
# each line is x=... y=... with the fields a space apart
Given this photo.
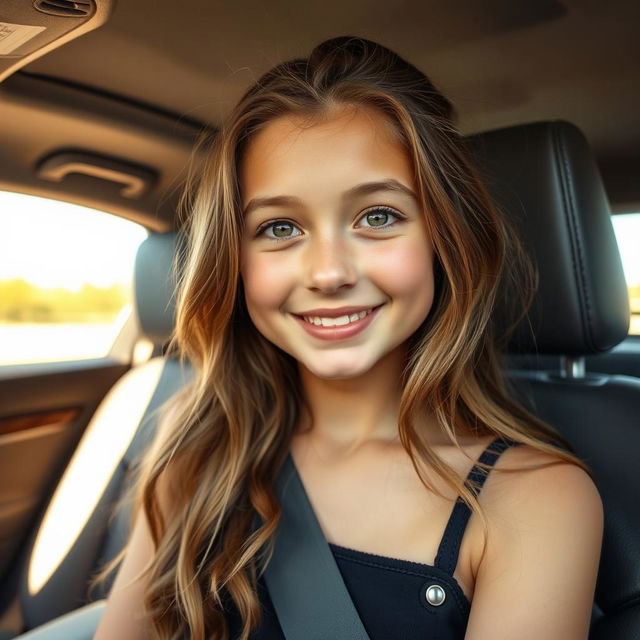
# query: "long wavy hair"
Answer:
x=223 y=438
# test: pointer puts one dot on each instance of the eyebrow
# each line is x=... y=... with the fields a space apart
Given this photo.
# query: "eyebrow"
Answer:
x=363 y=189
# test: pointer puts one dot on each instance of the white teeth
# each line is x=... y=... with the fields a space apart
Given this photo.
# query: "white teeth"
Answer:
x=337 y=322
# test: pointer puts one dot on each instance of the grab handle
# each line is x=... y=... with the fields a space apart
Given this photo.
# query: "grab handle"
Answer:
x=136 y=180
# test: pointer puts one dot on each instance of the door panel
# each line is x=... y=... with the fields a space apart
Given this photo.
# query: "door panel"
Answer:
x=44 y=409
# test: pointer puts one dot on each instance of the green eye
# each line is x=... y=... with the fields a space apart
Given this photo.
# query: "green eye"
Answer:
x=282 y=229
x=278 y=230
x=378 y=217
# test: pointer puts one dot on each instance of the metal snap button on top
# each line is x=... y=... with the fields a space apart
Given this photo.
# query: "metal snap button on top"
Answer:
x=435 y=595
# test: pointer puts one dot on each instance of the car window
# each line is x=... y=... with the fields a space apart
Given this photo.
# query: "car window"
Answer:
x=627 y=228
x=65 y=279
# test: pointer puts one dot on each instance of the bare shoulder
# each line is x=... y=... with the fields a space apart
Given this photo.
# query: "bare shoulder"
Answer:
x=542 y=552
x=529 y=487
x=533 y=479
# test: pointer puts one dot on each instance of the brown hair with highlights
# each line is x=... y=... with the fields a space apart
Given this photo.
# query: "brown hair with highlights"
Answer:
x=223 y=438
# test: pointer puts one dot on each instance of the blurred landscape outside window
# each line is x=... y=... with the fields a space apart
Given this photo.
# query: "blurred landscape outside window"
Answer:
x=627 y=228
x=66 y=279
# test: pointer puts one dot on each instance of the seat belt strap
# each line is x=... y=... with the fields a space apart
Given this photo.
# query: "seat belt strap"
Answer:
x=306 y=587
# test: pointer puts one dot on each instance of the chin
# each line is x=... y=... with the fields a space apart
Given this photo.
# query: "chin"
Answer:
x=337 y=371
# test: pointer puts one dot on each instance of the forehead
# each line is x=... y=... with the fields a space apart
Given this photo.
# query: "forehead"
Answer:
x=350 y=144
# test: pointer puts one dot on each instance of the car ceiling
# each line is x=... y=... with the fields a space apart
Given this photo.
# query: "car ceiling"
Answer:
x=500 y=62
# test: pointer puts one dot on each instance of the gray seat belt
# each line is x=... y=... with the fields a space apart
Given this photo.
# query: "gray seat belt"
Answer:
x=303 y=579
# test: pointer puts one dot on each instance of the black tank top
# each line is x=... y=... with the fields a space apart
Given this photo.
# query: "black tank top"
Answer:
x=398 y=599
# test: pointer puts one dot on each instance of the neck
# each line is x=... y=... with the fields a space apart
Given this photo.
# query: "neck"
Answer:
x=347 y=414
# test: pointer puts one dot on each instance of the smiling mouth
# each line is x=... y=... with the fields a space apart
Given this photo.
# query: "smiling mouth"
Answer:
x=338 y=328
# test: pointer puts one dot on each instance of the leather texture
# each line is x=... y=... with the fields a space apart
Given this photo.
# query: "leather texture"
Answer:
x=616 y=626
x=544 y=176
x=600 y=414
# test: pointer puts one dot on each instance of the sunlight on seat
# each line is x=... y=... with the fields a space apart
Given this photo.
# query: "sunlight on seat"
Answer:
x=106 y=440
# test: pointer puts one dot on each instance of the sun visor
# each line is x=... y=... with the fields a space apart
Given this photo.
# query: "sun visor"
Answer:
x=28 y=30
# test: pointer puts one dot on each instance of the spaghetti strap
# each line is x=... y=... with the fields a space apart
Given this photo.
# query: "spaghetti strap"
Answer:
x=449 y=549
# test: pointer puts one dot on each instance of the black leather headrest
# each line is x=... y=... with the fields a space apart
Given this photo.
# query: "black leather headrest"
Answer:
x=544 y=177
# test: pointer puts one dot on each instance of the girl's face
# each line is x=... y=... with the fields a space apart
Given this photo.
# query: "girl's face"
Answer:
x=334 y=228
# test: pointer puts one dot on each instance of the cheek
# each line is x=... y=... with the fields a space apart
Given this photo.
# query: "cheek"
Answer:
x=266 y=283
x=406 y=270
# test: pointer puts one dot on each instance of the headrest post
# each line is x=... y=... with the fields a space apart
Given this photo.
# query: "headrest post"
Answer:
x=572 y=367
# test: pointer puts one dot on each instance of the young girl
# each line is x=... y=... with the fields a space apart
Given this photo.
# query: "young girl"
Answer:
x=341 y=268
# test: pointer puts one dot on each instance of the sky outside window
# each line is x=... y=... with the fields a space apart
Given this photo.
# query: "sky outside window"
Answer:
x=57 y=244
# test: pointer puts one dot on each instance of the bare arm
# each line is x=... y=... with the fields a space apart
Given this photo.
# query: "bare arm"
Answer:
x=123 y=617
x=537 y=578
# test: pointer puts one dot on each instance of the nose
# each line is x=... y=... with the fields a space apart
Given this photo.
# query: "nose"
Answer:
x=330 y=264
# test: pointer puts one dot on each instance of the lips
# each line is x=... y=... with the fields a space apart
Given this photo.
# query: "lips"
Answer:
x=340 y=332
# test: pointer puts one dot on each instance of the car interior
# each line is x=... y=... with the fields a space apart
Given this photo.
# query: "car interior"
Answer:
x=104 y=105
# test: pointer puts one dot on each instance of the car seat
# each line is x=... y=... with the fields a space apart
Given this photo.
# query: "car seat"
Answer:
x=77 y=533
x=544 y=176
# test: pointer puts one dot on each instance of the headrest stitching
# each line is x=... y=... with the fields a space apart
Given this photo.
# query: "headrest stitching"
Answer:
x=577 y=256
